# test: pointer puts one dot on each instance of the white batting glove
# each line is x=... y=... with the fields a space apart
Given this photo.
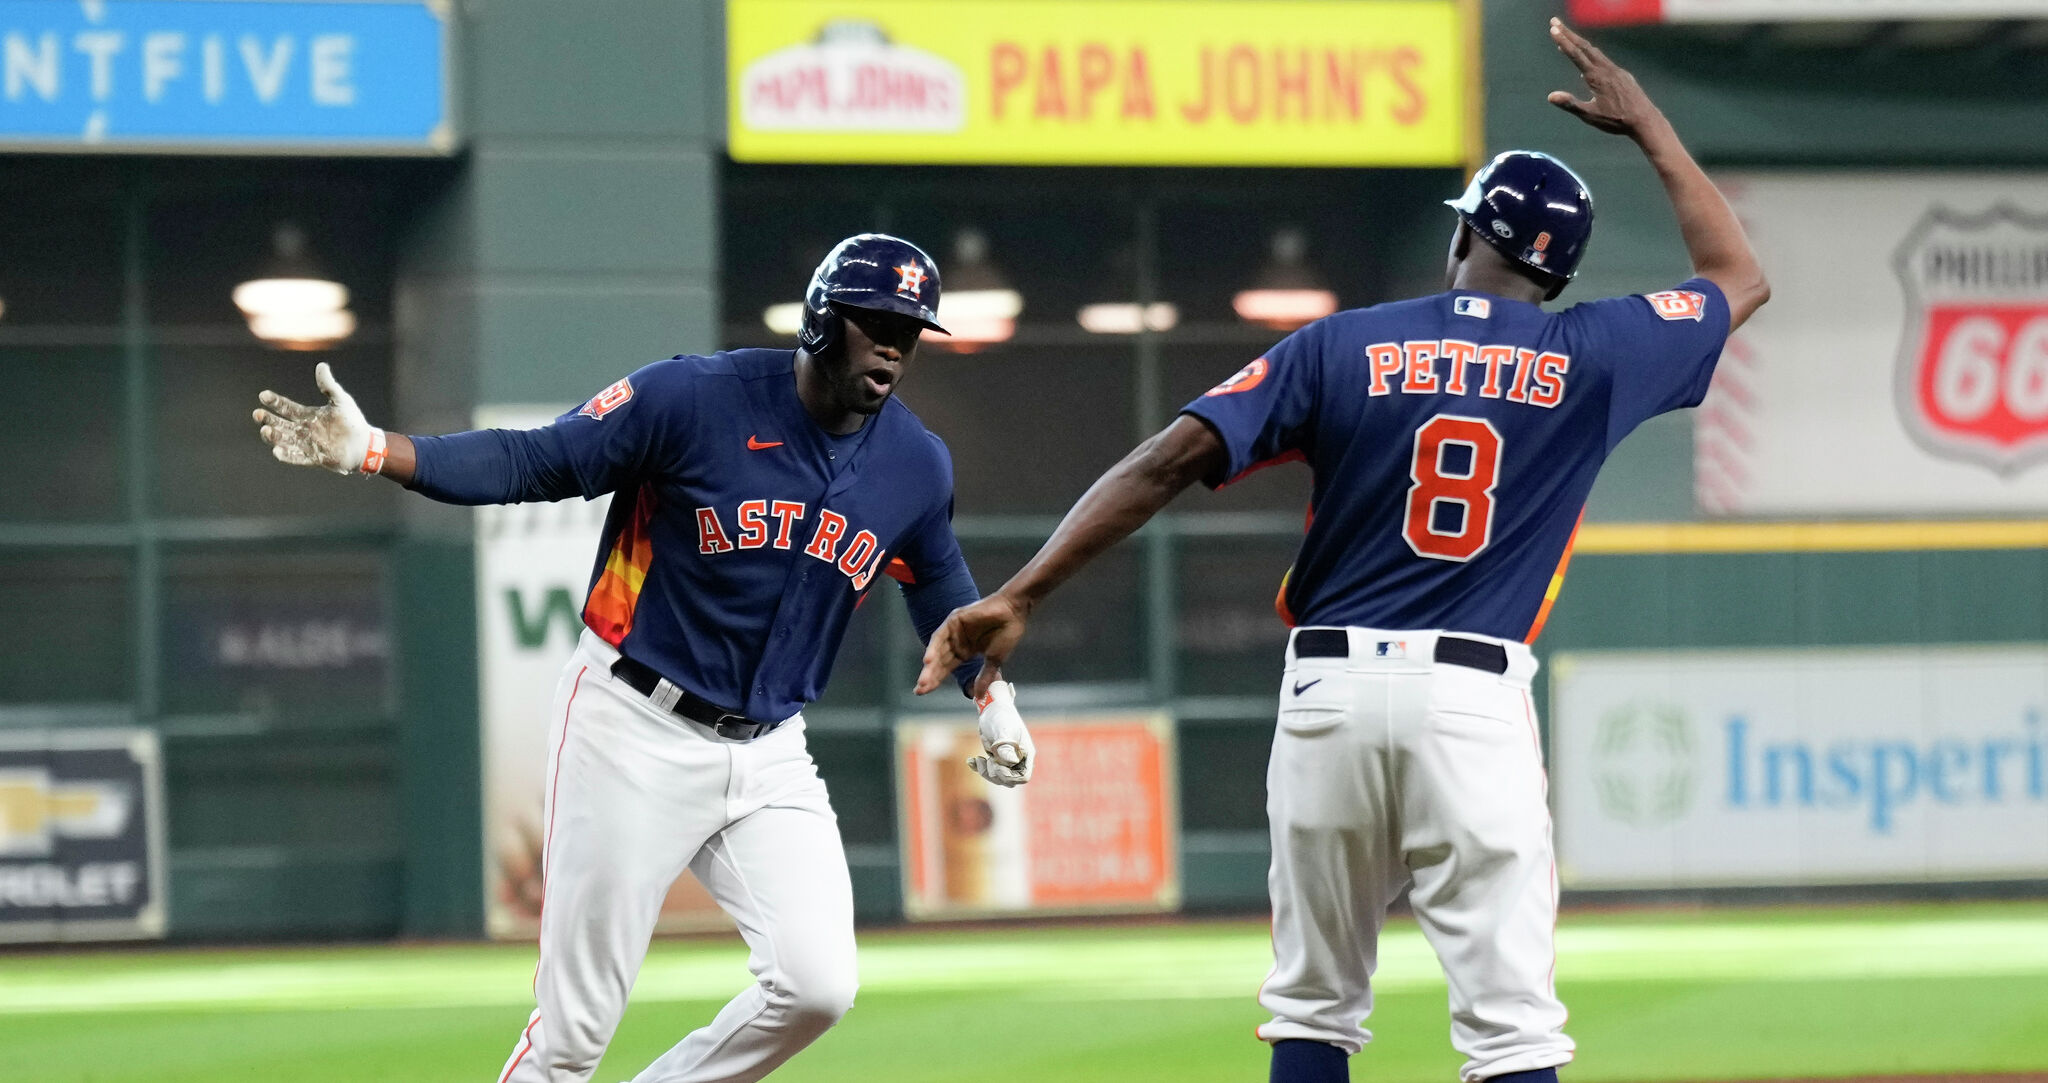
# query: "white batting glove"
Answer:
x=1007 y=743
x=332 y=437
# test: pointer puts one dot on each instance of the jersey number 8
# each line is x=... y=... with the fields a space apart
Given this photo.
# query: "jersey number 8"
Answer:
x=1450 y=504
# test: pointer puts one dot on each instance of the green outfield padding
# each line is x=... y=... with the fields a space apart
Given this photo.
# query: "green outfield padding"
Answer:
x=1654 y=996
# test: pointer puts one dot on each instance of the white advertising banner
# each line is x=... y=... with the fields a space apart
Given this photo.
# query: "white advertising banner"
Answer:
x=1789 y=767
x=533 y=564
x=1901 y=367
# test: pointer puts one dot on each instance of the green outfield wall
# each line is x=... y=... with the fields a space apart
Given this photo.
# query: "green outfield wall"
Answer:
x=592 y=222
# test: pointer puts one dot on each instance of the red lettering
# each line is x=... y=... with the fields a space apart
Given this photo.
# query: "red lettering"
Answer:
x=1138 y=88
x=1493 y=357
x=1385 y=359
x=710 y=535
x=1524 y=361
x=787 y=512
x=1342 y=83
x=1052 y=91
x=825 y=543
x=1098 y=70
x=1241 y=84
x=1403 y=64
x=1461 y=354
x=857 y=552
x=1006 y=74
x=1550 y=370
x=753 y=529
x=1290 y=84
x=867 y=574
x=1199 y=113
x=1421 y=378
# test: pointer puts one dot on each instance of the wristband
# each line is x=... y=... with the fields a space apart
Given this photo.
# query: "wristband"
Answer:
x=373 y=459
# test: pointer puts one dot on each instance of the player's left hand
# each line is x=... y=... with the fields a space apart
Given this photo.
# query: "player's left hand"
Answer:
x=989 y=629
x=1618 y=104
x=332 y=437
x=1009 y=753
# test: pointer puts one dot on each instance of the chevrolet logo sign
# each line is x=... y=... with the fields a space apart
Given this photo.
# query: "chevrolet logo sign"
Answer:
x=35 y=812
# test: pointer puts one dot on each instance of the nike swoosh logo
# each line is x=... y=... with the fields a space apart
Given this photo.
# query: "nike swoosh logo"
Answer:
x=1300 y=688
x=755 y=444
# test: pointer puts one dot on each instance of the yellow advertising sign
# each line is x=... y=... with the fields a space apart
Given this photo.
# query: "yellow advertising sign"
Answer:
x=1101 y=82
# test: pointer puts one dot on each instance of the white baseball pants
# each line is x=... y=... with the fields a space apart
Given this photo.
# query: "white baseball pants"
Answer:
x=1391 y=770
x=635 y=794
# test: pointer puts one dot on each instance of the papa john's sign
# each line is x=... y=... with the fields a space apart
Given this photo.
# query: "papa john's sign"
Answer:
x=1101 y=82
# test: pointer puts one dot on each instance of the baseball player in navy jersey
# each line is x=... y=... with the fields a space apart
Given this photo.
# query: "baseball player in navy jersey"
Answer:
x=756 y=496
x=1454 y=439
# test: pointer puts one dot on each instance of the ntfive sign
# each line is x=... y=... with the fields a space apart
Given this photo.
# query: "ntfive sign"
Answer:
x=1701 y=768
x=347 y=76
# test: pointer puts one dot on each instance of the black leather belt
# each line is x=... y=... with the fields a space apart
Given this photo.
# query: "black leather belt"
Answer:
x=1450 y=650
x=665 y=694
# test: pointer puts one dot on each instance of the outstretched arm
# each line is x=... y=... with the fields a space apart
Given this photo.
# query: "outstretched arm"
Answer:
x=1119 y=502
x=1713 y=236
x=486 y=466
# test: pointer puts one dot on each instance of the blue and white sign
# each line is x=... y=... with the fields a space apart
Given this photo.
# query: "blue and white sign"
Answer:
x=1800 y=766
x=226 y=76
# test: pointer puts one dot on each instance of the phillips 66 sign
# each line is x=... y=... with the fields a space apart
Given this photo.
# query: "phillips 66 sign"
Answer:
x=1901 y=367
x=1973 y=363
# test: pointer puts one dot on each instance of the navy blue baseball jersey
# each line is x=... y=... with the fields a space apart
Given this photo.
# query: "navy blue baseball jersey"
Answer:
x=741 y=536
x=1454 y=439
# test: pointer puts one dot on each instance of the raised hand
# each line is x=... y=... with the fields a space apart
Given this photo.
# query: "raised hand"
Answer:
x=332 y=437
x=1618 y=104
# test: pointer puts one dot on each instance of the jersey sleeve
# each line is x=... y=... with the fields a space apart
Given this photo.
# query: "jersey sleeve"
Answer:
x=934 y=574
x=1263 y=412
x=632 y=428
x=1660 y=349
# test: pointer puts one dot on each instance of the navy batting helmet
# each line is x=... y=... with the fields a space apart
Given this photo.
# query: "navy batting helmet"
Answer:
x=1533 y=209
x=873 y=271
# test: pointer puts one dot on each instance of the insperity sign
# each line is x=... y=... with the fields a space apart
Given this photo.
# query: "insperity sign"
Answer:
x=1692 y=768
x=1101 y=82
x=226 y=76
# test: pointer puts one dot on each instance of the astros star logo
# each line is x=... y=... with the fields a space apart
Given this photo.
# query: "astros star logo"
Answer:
x=913 y=279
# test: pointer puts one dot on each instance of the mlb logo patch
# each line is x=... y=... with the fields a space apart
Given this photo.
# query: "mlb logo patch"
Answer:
x=1478 y=308
x=1679 y=304
x=1390 y=648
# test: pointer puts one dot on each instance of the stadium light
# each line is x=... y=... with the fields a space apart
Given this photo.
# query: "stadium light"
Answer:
x=1287 y=292
x=977 y=304
x=784 y=319
x=292 y=304
x=1128 y=317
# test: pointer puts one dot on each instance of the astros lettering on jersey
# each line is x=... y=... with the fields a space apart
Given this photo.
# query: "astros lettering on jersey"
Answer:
x=772 y=543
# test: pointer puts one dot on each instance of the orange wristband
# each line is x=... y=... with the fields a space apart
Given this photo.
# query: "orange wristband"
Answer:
x=373 y=459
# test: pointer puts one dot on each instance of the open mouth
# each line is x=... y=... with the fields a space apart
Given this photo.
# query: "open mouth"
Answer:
x=877 y=382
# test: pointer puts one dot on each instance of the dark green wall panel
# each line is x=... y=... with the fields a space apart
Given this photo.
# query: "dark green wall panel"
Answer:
x=439 y=751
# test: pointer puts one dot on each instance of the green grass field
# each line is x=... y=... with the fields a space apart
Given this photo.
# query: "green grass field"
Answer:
x=1654 y=996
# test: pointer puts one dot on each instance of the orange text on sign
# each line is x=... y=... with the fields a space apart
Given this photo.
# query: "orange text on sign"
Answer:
x=1238 y=84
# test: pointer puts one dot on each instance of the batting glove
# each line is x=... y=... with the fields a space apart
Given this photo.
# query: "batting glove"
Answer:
x=1007 y=743
x=332 y=437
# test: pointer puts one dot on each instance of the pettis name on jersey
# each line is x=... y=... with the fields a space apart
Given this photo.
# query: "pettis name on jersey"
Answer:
x=1452 y=366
